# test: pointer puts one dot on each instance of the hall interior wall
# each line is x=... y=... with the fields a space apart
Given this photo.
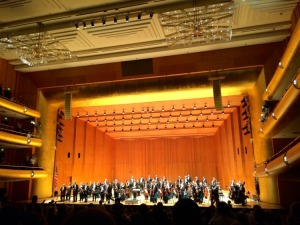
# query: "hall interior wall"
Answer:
x=222 y=156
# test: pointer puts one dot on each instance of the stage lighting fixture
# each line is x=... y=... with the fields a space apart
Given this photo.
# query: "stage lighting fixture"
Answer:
x=127 y=18
x=244 y=105
x=139 y=16
x=245 y=127
x=246 y=117
x=247 y=132
x=296 y=84
x=92 y=23
x=115 y=20
x=151 y=14
x=244 y=99
x=76 y=26
x=84 y=25
x=245 y=112
x=103 y=21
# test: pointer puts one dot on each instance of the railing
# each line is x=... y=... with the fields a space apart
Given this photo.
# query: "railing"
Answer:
x=11 y=129
x=20 y=167
x=14 y=100
x=280 y=153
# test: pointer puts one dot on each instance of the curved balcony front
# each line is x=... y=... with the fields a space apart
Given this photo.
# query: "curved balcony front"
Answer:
x=17 y=173
x=25 y=141
x=18 y=110
x=281 y=162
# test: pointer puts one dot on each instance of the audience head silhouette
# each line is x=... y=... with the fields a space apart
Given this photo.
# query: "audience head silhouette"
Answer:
x=186 y=211
x=90 y=216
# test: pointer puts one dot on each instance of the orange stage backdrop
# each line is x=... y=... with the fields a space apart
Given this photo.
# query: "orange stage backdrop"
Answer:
x=88 y=154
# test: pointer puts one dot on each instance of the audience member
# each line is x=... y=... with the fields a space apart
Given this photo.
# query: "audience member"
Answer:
x=186 y=211
x=90 y=216
x=222 y=215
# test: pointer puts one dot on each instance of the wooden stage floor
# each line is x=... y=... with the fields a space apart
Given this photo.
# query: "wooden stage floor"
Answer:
x=141 y=199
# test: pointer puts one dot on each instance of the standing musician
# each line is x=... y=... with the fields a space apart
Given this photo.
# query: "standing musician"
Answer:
x=85 y=192
x=179 y=180
x=240 y=193
x=102 y=192
x=81 y=191
x=141 y=182
x=154 y=193
x=108 y=194
x=94 y=191
x=214 y=197
x=68 y=192
x=232 y=191
x=75 y=191
x=201 y=191
x=116 y=187
x=63 y=190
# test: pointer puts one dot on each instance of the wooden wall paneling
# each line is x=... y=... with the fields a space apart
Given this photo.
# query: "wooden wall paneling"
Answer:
x=108 y=158
x=230 y=131
x=98 y=152
x=249 y=163
x=222 y=138
x=238 y=57
x=242 y=145
x=79 y=139
x=232 y=153
x=235 y=120
x=7 y=76
x=103 y=157
x=124 y=159
x=88 y=153
x=67 y=146
x=78 y=75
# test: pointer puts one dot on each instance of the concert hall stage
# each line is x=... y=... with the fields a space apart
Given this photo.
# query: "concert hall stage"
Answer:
x=141 y=200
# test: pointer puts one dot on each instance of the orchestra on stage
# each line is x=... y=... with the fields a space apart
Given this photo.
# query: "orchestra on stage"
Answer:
x=153 y=190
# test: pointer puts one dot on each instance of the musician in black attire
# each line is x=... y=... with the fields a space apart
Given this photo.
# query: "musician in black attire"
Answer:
x=75 y=191
x=214 y=192
x=154 y=193
x=85 y=192
x=240 y=193
x=63 y=190
x=108 y=194
x=116 y=187
x=68 y=192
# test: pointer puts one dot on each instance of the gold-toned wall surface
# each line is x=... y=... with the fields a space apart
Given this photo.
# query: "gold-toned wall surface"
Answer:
x=262 y=146
x=46 y=154
x=88 y=154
